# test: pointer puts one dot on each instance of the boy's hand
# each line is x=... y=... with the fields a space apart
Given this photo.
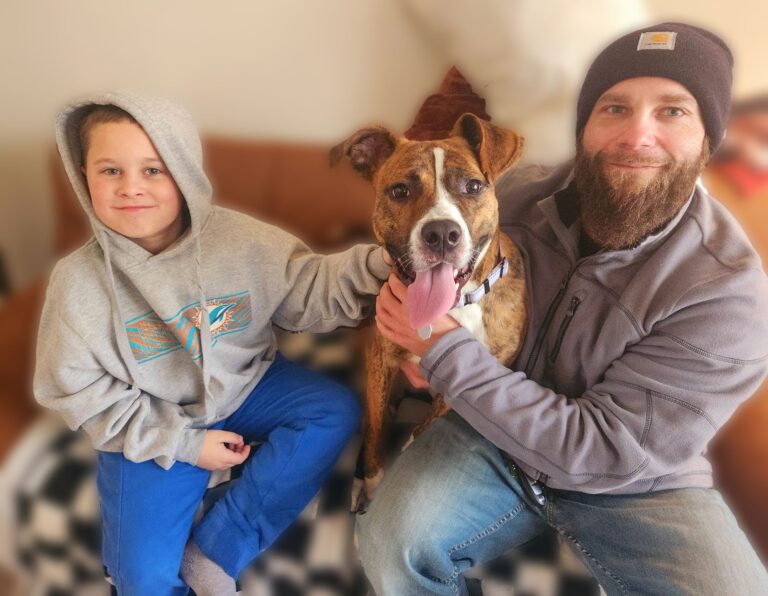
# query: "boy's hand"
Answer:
x=222 y=450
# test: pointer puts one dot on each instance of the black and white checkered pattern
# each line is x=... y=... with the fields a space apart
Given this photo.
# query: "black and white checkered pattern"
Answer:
x=57 y=533
x=57 y=530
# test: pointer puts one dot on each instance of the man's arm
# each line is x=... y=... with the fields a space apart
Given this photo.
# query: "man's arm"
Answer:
x=654 y=408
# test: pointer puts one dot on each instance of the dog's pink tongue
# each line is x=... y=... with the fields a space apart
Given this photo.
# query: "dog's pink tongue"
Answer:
x=431 y=295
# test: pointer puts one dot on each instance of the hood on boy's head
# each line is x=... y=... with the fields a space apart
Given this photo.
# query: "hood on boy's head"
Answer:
x=172 y=132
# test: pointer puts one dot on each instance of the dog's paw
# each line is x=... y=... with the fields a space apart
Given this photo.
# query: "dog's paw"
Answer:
x=371 y=483
x=362 y=491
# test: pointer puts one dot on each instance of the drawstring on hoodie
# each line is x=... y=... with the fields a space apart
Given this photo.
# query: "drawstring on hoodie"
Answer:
x=123 y=342
x=205 y=334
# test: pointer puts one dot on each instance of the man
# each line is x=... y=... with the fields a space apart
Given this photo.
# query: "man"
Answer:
x=649 y=325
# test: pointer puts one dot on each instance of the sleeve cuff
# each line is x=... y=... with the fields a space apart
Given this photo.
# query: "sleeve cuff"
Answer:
x=438 y=353
x=190 y=445
x=376 y=264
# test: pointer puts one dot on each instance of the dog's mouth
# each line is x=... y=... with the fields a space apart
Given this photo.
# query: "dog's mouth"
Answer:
x=434 y=290
x=407 y=274
x=404 y=267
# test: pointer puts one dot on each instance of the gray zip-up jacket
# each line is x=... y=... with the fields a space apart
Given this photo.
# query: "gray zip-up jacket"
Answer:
x=632 y=360
x=123 y=350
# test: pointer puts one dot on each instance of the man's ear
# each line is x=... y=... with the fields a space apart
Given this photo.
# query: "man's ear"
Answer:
x=366 y=150
x=495 y=148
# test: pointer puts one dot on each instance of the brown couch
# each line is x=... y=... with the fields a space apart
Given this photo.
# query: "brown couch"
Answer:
x=293 y=187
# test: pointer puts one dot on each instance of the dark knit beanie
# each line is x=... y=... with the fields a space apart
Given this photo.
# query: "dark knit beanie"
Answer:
x=694 y=57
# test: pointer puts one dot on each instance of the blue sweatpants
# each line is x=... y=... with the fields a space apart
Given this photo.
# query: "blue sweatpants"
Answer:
x=303 y=420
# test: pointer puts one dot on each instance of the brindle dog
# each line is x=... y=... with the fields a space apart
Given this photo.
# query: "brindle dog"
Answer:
x=437 y=215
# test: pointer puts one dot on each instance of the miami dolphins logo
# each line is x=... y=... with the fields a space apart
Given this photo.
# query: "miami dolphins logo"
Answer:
x=151 y=337
x=220 y=316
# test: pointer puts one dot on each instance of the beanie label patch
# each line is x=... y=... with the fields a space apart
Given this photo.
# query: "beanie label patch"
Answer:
x=657 y=40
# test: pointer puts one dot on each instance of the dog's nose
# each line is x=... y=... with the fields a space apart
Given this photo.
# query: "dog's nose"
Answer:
x=441 y=236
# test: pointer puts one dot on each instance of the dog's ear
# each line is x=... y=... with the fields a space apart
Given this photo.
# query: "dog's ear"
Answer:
x=366 y=149
x=495 y=148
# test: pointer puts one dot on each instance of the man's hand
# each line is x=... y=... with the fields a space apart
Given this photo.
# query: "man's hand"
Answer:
x=222 y=450
x=412 y=372
x=393 y=323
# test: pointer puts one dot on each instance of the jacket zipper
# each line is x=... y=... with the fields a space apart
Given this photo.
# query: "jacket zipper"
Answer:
x=564 y=327
x=534 y=355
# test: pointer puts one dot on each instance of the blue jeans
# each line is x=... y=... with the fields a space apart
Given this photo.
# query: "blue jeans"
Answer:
x=304 y=421
x=450 y=502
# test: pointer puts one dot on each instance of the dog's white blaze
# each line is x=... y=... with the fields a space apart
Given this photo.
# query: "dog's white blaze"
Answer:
x=444 y=208
x=471 y=318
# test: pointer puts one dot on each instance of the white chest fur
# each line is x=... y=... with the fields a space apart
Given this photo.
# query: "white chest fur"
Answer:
x=471 y=318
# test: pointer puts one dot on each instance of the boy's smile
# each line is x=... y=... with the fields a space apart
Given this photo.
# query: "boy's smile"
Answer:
x=132 y=191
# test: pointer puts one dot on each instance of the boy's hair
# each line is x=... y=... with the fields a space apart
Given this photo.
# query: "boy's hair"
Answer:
x=99 y=114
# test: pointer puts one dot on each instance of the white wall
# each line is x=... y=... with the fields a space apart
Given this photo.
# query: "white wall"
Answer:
x=742 y=23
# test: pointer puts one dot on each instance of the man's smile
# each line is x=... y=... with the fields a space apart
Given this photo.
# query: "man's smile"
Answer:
x=632 y=166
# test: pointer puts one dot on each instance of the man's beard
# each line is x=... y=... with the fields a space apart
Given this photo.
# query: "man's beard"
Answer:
x=619 y=211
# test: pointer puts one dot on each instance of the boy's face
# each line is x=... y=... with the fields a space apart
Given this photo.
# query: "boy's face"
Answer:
x=132 y=191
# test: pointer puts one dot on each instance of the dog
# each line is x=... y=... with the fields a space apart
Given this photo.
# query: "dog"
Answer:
x=436 y=213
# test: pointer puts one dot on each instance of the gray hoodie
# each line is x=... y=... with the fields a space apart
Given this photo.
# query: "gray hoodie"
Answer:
x=121 y=352
x=633 y=359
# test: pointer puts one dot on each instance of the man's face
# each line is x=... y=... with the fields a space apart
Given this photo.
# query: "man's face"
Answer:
x=132 y=191
x=638 y=159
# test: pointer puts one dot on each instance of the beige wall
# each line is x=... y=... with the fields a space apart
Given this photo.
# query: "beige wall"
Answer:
x=291 y=69
x=742 y=23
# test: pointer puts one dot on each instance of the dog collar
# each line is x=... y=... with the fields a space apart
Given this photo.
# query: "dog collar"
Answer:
x=476 y=295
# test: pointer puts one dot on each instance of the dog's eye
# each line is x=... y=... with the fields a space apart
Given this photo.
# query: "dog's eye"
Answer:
x=399 y=192
x=473 y=187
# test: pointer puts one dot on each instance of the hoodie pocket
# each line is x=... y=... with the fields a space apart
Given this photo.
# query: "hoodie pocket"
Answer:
x=575 y=302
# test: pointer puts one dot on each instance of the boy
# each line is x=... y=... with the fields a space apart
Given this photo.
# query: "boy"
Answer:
x=168 y=394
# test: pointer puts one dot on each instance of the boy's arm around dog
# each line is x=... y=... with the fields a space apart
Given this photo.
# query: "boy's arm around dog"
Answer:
x=314 y=292
x=322 y=292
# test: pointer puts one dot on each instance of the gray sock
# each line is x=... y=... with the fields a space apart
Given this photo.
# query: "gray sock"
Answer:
x=204 y=576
